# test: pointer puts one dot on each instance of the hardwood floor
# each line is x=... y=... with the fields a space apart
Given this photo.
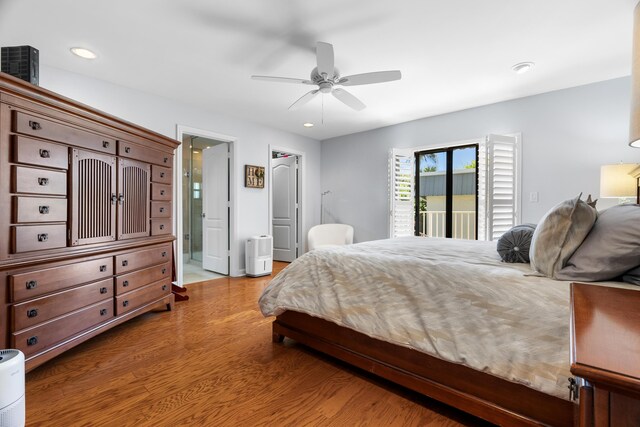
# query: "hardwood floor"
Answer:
x=216 y=366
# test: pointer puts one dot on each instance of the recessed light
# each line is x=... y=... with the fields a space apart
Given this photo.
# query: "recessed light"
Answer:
x=523 y=67
x=83 y=53
x=308 y=125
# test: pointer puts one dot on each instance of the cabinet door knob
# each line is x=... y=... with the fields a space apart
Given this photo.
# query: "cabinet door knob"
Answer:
x=105 y=144
x=43 y=209
x=103 y=268
x=43 y=237
x=32 y=340
x=125 y=303
x=125 y=283
x=103 y=312
x=43 y=181
x=45 y=154
x=34 y=125
x=125 y=262
x=32 y=284
x=32 y=313
x=103 y=290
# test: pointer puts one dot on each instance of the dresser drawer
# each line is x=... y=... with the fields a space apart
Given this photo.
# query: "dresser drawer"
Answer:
x=161 y=174
x=160 y=209
x=31 y=341
x=38 y=181
x=26 y=238
x=39 y=209
x=143 y=258
x=145 y=154
x=142 y=296
x=160 y=227
x=28 y=124
x=34 y=152
x=23 y=286
x=140 y=278
x=45 y=308
x=160 y=191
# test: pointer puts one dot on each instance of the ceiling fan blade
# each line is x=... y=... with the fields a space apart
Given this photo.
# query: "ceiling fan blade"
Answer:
x=370 y=78
x=348 y=99
x=282 y=80
x=304 y=99
x=324 y=55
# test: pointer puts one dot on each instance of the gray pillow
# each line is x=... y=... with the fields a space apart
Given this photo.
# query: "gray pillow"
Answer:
x=513 y=245
x=632 y=276
x=559 y=234
x=611 y=249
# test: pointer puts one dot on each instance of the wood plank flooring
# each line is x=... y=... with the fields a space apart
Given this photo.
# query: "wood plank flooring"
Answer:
x=215 y=365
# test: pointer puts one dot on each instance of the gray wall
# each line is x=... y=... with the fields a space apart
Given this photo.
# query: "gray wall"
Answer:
x=567 y=135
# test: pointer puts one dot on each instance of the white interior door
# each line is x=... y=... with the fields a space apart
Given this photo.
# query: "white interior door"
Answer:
x=285 y=222
x=215 y=209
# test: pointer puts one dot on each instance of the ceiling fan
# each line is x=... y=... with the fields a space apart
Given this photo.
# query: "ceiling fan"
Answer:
x=326 y=77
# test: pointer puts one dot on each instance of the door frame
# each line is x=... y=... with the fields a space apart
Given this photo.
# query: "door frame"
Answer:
x=177 y=194
x=301 y=226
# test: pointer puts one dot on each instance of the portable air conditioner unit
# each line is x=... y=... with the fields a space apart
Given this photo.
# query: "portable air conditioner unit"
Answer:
x=12 y=409
x=259 y=256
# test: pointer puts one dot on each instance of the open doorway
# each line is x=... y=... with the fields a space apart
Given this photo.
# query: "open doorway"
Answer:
x=205 y=236
x=286 y=205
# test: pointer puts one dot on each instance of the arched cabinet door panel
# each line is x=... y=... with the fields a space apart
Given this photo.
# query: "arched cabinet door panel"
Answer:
x=133 y=199
x=93 y=198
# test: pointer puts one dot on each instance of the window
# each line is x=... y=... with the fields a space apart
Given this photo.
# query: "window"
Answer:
x=497 y=196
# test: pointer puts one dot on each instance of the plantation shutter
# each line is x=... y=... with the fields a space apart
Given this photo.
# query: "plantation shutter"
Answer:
x=401 y=177
x=502 y=184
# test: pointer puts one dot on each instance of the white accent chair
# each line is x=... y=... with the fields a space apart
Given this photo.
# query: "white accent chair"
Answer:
x=330 y=235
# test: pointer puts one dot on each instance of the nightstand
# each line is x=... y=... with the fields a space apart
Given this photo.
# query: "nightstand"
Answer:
x=605 y=352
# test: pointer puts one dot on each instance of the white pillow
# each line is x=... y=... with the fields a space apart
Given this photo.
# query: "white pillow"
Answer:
x=559 y=234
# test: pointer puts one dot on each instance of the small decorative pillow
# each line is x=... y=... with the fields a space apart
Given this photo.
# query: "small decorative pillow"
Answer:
x=514 y=245
x=559 y=234
x=611 y=249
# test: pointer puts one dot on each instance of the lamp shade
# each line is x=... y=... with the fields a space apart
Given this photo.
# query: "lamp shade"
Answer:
x=634 y=130
x=617 y=182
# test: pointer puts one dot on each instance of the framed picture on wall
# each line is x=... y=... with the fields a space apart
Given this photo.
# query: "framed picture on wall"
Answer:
x=253 y=176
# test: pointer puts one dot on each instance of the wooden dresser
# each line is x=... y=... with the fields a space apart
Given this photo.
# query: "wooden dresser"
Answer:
x=85 y=221
x=605 y=351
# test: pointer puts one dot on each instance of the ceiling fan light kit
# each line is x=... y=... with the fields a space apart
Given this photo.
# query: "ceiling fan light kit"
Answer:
x=326 y=76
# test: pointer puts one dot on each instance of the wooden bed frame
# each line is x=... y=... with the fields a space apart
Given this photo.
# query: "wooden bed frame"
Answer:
x=484 y=395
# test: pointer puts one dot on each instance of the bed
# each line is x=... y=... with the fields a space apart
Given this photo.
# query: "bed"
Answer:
x=443 y=317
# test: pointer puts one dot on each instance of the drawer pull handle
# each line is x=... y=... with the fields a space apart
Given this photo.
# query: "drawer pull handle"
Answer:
x=125 y=283
x=127 y=149
x=114 y=198
x=103 y=312
x=45 y=154
x=161 y=174
x=120 y=198
x=162 y=192
x=164 y=287
x=161 y=210
x=125 y=262
x=161 y=226
x=105 y=144
x=43 y=181
x=43 y=237
x=103 y=290
x=32 y=284
x=103 y=268
x=32 y=340
x=32 y=313
x=164 y=270
x=125 y=303
x=43 y=209
x=34 y=125
x=164 y=254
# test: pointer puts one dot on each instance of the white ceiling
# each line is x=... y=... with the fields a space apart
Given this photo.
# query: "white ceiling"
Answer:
x=453 y=54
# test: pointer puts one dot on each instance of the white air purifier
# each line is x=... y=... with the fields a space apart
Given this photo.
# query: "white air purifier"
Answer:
x=259 y=256
x=12 y=409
